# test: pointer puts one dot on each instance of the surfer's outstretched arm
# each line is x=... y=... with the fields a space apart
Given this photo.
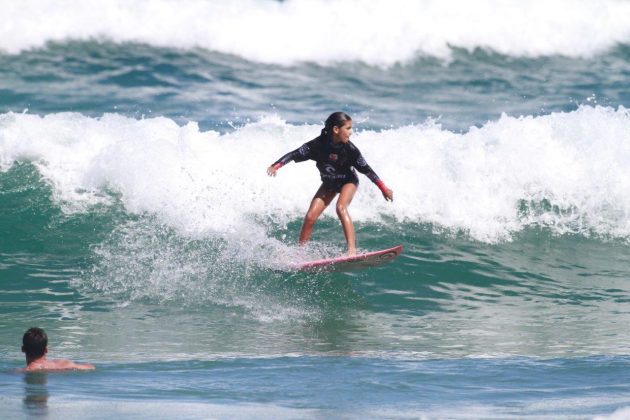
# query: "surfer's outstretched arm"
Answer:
x=273 y=169
x=387 y=193
x=298 y=155
x=363 y=167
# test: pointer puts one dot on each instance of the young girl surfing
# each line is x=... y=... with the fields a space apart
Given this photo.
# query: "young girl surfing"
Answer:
x=336 y=158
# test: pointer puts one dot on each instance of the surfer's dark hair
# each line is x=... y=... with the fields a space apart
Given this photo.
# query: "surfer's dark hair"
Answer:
x=34 y=342
x=336 y=119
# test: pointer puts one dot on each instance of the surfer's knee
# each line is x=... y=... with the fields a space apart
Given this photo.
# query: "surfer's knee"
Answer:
x=342 y=210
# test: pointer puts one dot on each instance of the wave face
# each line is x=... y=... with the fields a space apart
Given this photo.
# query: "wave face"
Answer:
x=567 y=172
x=324 y=32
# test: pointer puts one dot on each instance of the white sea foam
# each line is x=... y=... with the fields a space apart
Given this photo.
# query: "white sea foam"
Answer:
x=620 y=414
x=373 y=31
x=566 y=171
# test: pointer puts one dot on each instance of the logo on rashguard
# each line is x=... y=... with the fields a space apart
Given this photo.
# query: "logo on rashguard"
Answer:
x=330 y=169
x=333 y=157
x=361 y=161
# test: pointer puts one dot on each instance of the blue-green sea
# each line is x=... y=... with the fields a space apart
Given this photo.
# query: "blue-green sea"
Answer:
x=138 y=226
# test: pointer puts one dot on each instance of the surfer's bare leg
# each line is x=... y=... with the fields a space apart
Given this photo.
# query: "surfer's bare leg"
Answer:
x=344 y=200
x=320 y=201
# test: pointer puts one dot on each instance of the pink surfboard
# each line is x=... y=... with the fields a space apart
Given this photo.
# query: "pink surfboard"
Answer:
x=356 y=262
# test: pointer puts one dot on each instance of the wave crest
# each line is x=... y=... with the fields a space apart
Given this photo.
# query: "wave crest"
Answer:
x=566 y=171
x=322 y=31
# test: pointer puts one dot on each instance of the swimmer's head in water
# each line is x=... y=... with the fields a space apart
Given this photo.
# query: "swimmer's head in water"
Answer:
x=34 y=342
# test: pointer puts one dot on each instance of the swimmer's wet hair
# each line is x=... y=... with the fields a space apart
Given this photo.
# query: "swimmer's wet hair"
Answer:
x=34 y=342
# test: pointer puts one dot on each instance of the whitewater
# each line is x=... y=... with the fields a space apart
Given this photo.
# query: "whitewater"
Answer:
x=374 y=32
x=569 y=172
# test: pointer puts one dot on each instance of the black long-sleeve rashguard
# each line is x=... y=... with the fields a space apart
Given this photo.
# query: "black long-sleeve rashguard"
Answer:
x=336 y=162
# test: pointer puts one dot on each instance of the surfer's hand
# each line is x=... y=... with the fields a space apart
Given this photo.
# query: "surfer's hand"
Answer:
x=388 y=194
x=271 y=171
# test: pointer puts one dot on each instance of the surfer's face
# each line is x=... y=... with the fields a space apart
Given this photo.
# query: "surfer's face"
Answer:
x=342 y=134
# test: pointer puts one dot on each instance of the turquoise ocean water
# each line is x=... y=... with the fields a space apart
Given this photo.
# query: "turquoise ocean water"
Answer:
x=138 y=226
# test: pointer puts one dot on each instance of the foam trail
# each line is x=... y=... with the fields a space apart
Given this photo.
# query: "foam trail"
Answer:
x=372 y=31
x=569 y=172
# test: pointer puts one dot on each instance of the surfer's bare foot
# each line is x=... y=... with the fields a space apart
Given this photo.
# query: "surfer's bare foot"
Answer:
x=351 y=252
